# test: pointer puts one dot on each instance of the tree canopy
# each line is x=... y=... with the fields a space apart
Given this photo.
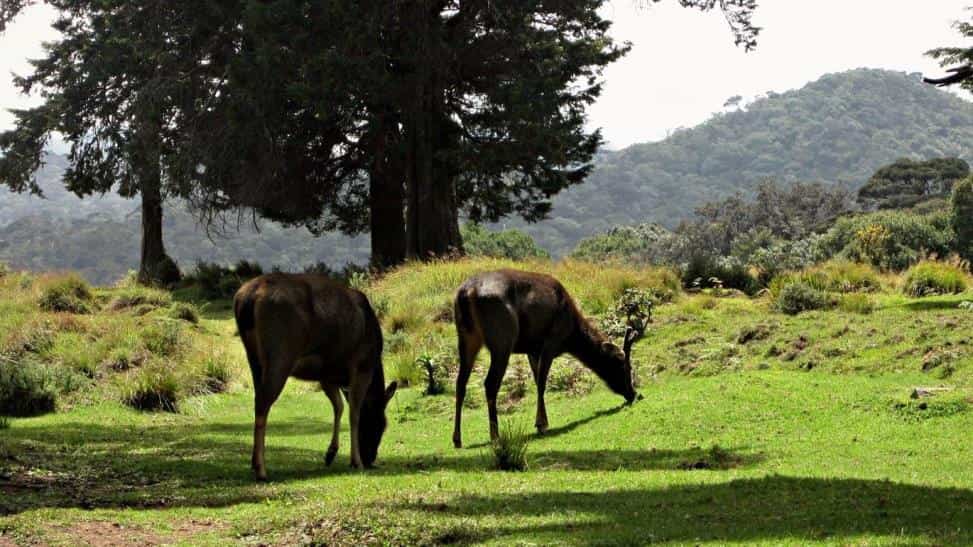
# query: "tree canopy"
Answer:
x=907 y=182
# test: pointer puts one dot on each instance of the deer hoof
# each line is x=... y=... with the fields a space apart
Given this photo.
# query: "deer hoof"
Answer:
x=330 y=455
x=260 y=475
x=541 y=429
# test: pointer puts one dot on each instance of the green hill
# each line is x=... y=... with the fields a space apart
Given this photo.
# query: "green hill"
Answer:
x=838 y=129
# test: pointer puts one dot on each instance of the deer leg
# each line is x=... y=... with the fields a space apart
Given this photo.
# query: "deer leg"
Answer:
x=498 y=367
x=266 y=394
x=543 y=369
x=356 y=397
x=334 y=395
x=469 y=346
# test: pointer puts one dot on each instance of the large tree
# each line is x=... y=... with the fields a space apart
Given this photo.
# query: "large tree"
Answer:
x=112 y=83
x=907 y=182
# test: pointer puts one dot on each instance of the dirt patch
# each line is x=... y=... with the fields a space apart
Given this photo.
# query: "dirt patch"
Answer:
x=104 y=533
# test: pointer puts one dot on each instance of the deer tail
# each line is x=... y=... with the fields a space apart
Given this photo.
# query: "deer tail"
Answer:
x=463 y=311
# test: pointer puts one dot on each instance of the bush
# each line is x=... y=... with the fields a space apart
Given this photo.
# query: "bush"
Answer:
x=67 y=294
x=800 y=296
x=891 y=240
x=435 y=385
x=217 y=282
x=512 y=244
x=153 y=389
x=645 y=243
x=724 y=272
x=931 y=277
x=510 y=447
x=184 y=312
x=846 y=276
x=784 y=256
x=857 y=303
x=962 y=217
x=27 y=388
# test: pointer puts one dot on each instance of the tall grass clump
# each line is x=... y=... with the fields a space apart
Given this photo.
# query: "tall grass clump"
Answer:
x=27 y=388
x=153 y=389
x=217 y=372
x=799 y=297
x=931 y=277
x=165 y=337
x=67 y=293
x=135 y=296
x=856 y=303
x=4 y=422
x=509 y=449
x=184 y=311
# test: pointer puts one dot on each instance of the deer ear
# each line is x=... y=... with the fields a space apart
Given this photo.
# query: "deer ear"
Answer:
x=390 y=391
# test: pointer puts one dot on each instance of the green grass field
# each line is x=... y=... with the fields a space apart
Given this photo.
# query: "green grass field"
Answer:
x=755 y=428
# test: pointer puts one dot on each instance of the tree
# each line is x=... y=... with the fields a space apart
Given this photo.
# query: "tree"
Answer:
x=117 y=76
x=962 y=217
x=905 y=182
x=963 y=57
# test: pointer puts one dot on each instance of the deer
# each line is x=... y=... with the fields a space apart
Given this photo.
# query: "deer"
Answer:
x=314 y=329
x=518 y=312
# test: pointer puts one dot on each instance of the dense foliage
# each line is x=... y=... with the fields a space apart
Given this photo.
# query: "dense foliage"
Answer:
x=907 y=182
x=512 y=244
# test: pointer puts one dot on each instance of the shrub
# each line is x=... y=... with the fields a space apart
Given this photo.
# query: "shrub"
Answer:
x=184 y=312
x=704 y=271
x=4 y=422
x=846 y=276
x=962 y=217
x=800 y=296
x=4 y=270
x=857 y=303
x=634 y=308
x=67 y=294
x=512 y=244
x=216 y=281
x=510 y=447
x=784 y=256
x=434 y=374
x=890 y=240
x=931 y=277
x=153 y=390
x=27 y=388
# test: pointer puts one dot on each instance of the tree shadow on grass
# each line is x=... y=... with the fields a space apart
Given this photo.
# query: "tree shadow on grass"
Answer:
x=773 y=508
x=207 y=465
x=951 y=303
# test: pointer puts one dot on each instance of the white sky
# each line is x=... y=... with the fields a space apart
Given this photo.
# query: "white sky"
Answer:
x=683 y=65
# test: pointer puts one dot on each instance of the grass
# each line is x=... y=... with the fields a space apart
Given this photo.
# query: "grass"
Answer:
x=756 y=427
x=509 y=449
x=931 y=277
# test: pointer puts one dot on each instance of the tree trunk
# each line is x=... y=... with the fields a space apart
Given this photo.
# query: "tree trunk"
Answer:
x=433 y=226
x=155 y=266
x=385 y=203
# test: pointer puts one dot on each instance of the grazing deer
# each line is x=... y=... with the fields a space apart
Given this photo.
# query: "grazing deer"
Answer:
x=312 y=328
x=511 y=311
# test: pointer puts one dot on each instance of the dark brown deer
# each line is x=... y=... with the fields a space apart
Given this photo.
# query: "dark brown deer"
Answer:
x=314 y=329
x=511 y=311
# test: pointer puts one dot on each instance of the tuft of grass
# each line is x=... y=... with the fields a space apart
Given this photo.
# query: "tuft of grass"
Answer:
x=68 y=293
x=164 y=338
x=4 y=422
x=138 y=297
x=932 y=277
x=185 y=312
x=435 y=384
x=217 y=372
x=27 y=388
x=800 y=296
x=509 y=449
x=153 y=389
x=856 y=303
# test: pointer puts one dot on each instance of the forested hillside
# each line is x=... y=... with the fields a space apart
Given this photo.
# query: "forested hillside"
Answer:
x=838 y=129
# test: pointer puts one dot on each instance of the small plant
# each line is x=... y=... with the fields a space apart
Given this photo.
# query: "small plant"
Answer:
x=4 y=422
x=4 y=270
x=510 y=447
x=434 y=385
x=217 y=373
x=69 y=294
x=184 y=311
x=155 y=389
x=857 y=303
x=931 y=277
x=633 y=309
x=966 y=305
x=27 y=388
x=798 y=297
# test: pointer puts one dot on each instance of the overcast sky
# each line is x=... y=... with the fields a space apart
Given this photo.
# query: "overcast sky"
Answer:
x=683 y=65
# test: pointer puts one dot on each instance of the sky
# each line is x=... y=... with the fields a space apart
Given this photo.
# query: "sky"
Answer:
x=683 y=64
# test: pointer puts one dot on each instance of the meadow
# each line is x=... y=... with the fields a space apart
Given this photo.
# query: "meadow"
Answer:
x=848 y=424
